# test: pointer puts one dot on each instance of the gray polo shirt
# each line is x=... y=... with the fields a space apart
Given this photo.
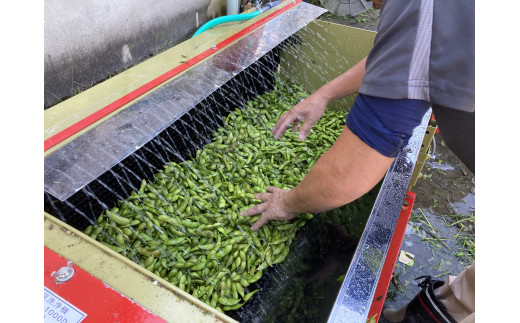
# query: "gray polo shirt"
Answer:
x=425 y=50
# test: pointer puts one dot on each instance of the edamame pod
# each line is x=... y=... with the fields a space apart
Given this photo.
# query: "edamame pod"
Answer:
x=117 y=219
x=250 y=294
x=228 y=301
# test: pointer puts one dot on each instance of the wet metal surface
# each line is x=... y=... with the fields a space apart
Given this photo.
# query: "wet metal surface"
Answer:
x=442 y=222
x=356 y=294
x=85 y=158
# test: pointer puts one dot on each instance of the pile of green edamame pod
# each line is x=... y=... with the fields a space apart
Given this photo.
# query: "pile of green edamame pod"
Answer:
x=185 y=225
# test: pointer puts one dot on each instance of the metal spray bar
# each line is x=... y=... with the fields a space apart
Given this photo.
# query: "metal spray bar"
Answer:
x=85 y=158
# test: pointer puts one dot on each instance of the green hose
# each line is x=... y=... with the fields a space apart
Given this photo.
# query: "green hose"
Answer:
x=224 y=19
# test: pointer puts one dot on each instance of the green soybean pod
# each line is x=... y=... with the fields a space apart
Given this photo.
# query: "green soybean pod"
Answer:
x=228 y=261
x=120 y=240
x=214 y=300
x=166 y=218
x=182 y=282
x=228 y=301
x=242 y=267
x=232 y=308
x=176 y=232
x=236 y=263
x=194 y=274
x=283 y=227
x=148 y=261
x=281 y=256
x=250 y=294
x=173 y=273
x=143 y=251
x=190 y=224
x=278 y=249
x=162 y=274
x=213 y=226
x=208 y=246
x=269 y=256
x=145 y=237
x=221 y=202
x=204 y=233
x=235 y=277
x=166 y=264
x=179 y=276
x=251 y=260
x=182 y=207
x=141 y=226
x=196 y=293
x=255 y=277
x=96 y=232
x=281 y=239
x=234 y=291
x=199 y=266
x=150 y=267
x=262 y=266
x=223 y=288
x=88 y=230
x=240 y=289
x=202 y=291
x=198 y=282
x=307 y=216
x=223 y=252
x=184 y=265
x=117 y=219
x=115 y=248
x=175 y=241
x=257 y=242
x=210 y=287
x=128 y=232
x=143 y=186
x=244 y=281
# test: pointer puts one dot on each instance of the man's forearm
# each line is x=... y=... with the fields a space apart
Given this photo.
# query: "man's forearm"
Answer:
x=349 y=169
x=344 y=85
x=331 y=182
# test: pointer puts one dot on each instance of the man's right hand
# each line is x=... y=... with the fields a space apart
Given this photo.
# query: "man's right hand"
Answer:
x=308 y=112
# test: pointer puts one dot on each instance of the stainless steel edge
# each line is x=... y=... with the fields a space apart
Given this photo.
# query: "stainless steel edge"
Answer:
x=357 y=291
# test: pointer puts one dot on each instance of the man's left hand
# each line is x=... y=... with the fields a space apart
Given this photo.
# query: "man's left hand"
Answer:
x=271 y=208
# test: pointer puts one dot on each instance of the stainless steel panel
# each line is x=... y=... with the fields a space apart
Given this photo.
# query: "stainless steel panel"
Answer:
x=85 y=158
x=356 y=294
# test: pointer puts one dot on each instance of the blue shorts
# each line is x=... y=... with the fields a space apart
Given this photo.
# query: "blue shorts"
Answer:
x=386 y=125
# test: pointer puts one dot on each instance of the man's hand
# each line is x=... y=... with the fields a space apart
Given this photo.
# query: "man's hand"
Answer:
x=308 y=111
x=271 y=208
